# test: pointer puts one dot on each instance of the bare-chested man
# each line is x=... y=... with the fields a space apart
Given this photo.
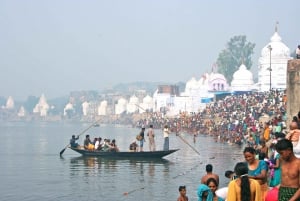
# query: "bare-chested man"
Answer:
x=290 y=172
x=209 y=174
x=294 y=133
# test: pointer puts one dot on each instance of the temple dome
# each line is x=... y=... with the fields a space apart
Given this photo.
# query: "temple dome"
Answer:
x=243 y=74
x=191 y=84
x=134 y=100
x=148 y=99
x=279 y=49
x=242 y=80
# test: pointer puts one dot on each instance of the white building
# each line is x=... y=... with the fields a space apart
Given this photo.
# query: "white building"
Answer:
x=133 y=105
x=10 y=103
x=121 y=106
x=102 y=109
x=42 y=107
x=68 y=107
x=274 y=56
x=85 y=108
x=21 y=112
x=242 y=80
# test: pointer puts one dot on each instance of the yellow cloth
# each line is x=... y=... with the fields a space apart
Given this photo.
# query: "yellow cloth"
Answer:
x=234 y=191
x=91 y=147
x=267 y=134
x=264 y=188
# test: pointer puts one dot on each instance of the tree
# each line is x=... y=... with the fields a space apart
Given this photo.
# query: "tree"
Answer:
x=237 y=51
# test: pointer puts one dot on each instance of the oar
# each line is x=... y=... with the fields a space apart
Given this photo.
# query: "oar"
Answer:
x=188 y=144
x=62 y=151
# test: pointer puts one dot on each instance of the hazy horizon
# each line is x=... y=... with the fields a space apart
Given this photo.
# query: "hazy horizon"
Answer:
x=55 y=47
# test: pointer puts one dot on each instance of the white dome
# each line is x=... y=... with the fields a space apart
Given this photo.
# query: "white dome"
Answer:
x=216 y=76
x=242 y=80
x=278 y=48
x=103 y=103
x=191 y=84
x=122 y=101
x=134 y=100
x=147 y=99
x=243 y=74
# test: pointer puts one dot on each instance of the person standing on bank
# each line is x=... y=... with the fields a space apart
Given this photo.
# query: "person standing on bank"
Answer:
x=298 y=52
x=151 y=136
x=166 y=137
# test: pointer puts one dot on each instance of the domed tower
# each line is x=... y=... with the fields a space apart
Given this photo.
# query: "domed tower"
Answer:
x=242 y=80
x=272 y=64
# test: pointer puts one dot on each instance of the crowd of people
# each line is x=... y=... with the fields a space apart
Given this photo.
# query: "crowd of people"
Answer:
x=250 y=180
x=230 y=119
x=262 y=176
x=96 y=144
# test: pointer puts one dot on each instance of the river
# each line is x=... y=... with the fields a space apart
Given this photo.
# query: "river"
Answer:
x=32 y=170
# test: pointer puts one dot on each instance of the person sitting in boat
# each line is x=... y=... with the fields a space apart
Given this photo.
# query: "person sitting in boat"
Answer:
x=114 y=146
x=73 y=142
x=107 y=145
x=100 y=144
x=88 y=144
x=97 y=143
x=133 y=146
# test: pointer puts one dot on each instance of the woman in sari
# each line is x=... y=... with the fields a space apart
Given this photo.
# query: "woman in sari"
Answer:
x=257 y=170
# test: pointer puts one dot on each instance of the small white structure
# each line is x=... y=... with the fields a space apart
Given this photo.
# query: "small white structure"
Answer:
x=242 y=80
x=68 y=107
x=147 y=104
x=21 y=112
x=85 y=107
x=10 y=103
x=133 y=104
x=41 y=107
x=274 y=57
x=121 y=106
x=102 y=109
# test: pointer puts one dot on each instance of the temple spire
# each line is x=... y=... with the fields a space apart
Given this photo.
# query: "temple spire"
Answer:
x=276 y=26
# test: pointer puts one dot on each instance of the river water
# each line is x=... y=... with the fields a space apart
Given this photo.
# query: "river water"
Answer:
x=31 y=168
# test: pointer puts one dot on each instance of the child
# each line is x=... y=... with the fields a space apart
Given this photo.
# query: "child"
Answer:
x=182 y=194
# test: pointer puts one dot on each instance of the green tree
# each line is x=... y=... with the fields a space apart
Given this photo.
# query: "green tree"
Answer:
x=237 y=51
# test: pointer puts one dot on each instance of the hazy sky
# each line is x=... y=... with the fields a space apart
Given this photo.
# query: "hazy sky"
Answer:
x=57 y=46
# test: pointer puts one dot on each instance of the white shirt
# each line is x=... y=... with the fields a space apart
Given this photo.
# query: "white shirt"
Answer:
x=166 y=132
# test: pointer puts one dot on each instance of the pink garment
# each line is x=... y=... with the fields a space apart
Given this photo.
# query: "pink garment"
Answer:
x=272 y=194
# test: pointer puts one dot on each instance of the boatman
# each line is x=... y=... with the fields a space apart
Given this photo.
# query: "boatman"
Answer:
x=73 y=142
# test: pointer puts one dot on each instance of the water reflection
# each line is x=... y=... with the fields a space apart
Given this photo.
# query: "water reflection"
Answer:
x=135 y=166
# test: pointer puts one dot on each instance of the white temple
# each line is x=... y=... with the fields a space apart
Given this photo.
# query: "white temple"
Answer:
x=10 y=103
x=121 y=106
x=147 y=104
x=68 y=107
x=41 y=107
x=102 y=109
x=85 y=107
x=133 y=104
x=242 y=80
x=21 y=112
x=274 y=57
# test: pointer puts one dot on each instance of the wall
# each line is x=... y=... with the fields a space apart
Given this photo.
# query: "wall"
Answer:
x=293 y=89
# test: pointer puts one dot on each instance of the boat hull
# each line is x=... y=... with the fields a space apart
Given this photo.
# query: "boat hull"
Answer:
x=125 y=154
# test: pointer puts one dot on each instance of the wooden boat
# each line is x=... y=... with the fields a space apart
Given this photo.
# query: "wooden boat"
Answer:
x=125 y=154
